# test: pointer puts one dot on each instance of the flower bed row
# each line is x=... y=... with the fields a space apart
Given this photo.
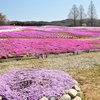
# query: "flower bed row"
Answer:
x=46 y=32
x=36 y=47
x=34 y=34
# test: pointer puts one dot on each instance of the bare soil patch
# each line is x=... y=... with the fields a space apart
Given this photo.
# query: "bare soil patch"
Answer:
x=89 y=81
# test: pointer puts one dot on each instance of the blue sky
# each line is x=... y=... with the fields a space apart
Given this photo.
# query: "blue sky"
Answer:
x=42 y=10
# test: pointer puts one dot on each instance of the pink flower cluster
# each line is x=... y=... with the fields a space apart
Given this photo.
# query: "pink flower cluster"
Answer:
x=84 y=33
x=48 y=32
x=34 y=34
x=38 y=47
x=8 y=27
x=72 y=31
x=33 y=40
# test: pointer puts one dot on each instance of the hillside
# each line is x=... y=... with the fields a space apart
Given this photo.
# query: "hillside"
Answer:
x=65 y=22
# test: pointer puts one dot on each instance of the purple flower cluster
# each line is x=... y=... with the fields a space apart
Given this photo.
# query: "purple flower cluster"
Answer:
x=33 y=84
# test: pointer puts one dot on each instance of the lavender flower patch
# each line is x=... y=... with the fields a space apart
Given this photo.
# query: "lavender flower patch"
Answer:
x=33 y=84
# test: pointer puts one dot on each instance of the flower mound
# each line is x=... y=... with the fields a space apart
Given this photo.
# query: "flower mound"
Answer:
x=33 y=84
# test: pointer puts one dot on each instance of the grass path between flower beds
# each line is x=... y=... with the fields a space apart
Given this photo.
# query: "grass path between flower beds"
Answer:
x=85 y=68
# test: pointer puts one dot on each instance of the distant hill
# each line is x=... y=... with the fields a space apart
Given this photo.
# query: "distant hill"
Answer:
x=66 y=22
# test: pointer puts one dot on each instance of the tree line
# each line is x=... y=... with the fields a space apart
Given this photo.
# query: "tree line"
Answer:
x=78 y=14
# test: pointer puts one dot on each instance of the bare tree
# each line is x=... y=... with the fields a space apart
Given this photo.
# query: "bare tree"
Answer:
x=82 y=15
x=92 y=13
x=3 y=20
x=74 y=14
